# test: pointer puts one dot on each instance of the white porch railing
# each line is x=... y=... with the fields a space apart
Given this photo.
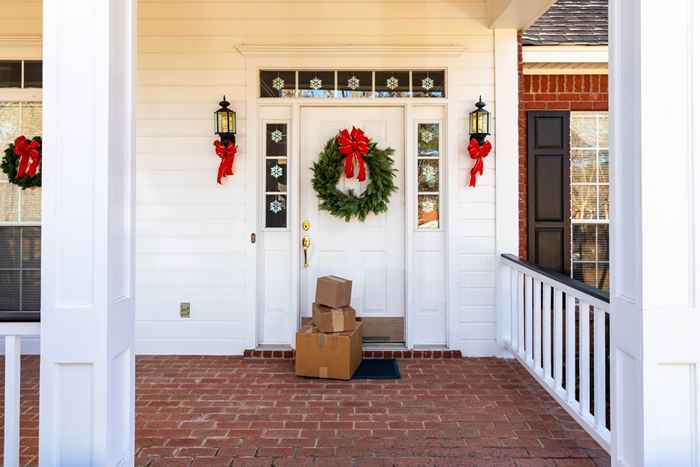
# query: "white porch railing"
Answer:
x=558 y=329
x=13 y=328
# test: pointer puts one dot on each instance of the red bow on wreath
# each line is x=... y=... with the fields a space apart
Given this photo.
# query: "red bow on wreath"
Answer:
x=477 y=151
x=29 y=157
x=353 y=145
x=227 y=154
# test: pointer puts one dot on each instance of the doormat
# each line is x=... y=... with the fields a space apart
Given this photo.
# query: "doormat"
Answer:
x=378 y=369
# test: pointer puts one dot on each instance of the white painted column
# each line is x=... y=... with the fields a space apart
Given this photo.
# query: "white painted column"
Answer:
x=655 y=231
x=507 y=157
x=87 y=323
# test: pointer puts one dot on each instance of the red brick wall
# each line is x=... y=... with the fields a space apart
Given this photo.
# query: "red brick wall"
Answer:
x=551 y=92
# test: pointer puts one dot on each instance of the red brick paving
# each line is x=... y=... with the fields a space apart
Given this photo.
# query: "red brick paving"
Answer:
x=223 y=411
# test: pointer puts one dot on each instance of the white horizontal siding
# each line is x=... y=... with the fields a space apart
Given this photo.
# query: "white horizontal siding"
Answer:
x=191 y=233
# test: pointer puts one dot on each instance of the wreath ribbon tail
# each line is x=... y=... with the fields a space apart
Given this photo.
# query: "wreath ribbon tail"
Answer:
x=349 y=166
x=362 y=175
x=23 y=163
x=477 y=169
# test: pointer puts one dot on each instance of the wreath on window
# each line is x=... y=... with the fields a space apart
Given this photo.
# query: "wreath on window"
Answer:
x=341 y=154
x=22 y=162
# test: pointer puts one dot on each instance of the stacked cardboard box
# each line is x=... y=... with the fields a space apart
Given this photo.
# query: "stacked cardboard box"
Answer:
x=330 y=347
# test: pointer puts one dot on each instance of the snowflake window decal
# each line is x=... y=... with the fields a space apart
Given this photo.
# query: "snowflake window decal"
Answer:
x=315 y=83
x=427 y=83
x=276 y=206
x=429 y=175
x=276 y=171
x=354 y=82
x=276 y=136
x=426 y=136
x=392 y=83
x=278 y=83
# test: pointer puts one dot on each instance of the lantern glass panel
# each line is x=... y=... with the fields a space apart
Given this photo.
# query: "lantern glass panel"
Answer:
x=232 y=122
x=223 y=123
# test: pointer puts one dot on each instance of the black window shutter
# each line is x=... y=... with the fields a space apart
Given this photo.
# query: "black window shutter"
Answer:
x=548 y=190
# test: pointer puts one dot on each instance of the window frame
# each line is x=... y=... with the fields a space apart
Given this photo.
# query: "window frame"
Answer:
x=597 y=114
x=21 y=95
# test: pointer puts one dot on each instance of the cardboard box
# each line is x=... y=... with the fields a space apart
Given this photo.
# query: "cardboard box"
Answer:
x=333 y=356
x=329 y=319
x=333 y=291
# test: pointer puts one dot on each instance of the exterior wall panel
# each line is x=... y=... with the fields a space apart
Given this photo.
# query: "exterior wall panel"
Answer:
x=191 y=234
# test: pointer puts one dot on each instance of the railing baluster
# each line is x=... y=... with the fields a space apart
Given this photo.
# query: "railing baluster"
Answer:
x=584 y=338
x=558 y=344
x=537 y=335
x=521 y=311
x=13 y=353
x=571 y=348
x=528 y=319
x=554 y=337
x=514 y=308
x=599 y=363
x=547 y=331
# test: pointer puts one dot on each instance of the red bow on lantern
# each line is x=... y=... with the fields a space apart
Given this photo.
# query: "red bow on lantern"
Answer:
x=227 y=154
x=477 y=151
x=29 y=156
x=353 y=145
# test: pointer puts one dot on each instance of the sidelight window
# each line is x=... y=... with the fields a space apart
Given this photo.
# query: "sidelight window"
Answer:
x=276 y=175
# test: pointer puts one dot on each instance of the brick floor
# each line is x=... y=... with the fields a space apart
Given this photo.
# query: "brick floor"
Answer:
x=222 y=411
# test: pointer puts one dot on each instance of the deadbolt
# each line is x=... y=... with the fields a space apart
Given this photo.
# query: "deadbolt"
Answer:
x=306 y=225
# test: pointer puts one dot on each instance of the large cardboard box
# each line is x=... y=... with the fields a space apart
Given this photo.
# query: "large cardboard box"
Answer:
x=329 y=319
x=333 y=356
x=333 y=291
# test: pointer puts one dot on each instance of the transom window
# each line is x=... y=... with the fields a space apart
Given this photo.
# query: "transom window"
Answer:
x=343 y=84
x=589 y=198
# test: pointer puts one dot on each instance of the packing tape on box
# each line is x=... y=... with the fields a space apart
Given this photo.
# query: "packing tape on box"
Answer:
x=321 y=340
x=323 y=372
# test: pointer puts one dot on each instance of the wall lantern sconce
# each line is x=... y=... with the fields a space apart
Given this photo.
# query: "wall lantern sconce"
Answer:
x=479 y=148
x=480 y=122
x=225 y=127
x=225 y=123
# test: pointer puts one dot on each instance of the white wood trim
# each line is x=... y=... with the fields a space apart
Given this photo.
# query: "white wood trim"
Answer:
x=516 y=14
x=565 y=54
x=345 y=50
x=565 y=69
x=20 y=48
x=507 y=155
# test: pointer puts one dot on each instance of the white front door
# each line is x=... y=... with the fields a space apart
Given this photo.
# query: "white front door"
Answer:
x=370 y=253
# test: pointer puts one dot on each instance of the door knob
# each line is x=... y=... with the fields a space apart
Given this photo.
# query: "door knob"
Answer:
x=306 y=244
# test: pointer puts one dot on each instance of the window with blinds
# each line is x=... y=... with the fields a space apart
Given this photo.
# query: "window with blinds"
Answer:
x=589 y=198
x=20 y=218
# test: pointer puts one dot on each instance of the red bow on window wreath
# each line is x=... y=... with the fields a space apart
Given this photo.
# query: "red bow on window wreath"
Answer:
x=353 y=145
x=477 y=151
x=29 y=157
x=227 y=153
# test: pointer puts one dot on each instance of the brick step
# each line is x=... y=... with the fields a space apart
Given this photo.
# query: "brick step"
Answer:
x=398 y=354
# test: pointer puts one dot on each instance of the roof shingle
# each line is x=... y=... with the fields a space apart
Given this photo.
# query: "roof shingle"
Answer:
x=571 y=22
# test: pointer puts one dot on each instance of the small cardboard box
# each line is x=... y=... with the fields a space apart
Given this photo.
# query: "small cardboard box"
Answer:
x=333 y=291
x=333 y=356
x=329 y=319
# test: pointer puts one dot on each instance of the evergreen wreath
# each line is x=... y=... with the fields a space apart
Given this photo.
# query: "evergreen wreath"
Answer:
x=22 y=162
x=329 y=168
